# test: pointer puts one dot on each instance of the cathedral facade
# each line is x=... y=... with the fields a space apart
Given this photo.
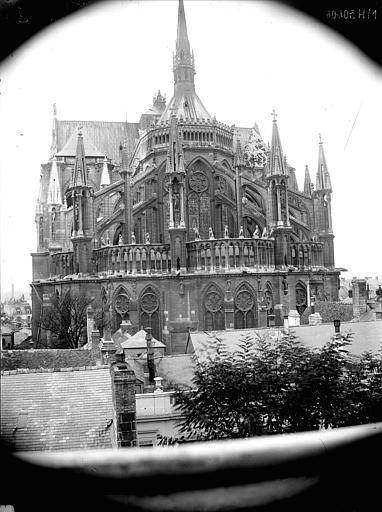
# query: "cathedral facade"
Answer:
x=179 y=221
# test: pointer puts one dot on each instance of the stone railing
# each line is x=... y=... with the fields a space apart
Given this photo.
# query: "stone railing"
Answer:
x=62 y=264
x=133 y=259
x=227 y=255
x=305 y=255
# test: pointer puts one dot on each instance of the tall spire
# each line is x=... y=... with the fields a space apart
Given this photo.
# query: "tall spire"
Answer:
x=277 y=161
x=323 y=178
x=184 y=69
x=79 y=172
x=308 y=185
x=54 y=190
x=185 y=103
x=182 y=42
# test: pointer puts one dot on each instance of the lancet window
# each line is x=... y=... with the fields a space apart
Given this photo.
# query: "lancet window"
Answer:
x=149 y=312
x=245 y=308
x=214 y=319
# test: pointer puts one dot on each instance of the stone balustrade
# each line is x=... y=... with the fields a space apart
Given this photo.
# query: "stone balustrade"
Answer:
x=216 y=255
x=62 y=263
x=226 y=255
x=305 y=255
x=133 y=259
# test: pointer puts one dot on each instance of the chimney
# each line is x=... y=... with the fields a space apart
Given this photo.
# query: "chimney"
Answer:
x=123 y=386
x=150 y=355
x=95 y=346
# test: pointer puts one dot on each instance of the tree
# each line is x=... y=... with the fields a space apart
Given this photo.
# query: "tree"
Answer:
x=66 y=317
x=280 y=385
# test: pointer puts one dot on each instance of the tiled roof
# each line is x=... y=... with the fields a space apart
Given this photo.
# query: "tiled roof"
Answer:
x=70 y=148
x=106 y=136
x=69 y=409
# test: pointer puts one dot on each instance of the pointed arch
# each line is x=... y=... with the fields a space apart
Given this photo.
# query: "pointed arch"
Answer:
x=213 y=308
x=301 y=297
x=245 y=307
x=199 y=186
x=121 y=303
x=149 y=310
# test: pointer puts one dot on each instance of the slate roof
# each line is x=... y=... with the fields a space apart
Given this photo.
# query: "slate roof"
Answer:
x=367 y=336
x=176 y=369
x=57 y=410
x=105 y=136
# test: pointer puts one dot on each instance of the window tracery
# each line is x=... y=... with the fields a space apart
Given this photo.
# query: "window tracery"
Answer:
x=245 y=315
x=149 y=312
x=199 y=214
x=214 y=319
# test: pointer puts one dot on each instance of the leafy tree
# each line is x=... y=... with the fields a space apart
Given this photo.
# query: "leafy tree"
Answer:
x=66 y=317
x=275 y=386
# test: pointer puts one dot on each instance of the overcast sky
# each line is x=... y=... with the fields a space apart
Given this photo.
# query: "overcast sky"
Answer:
x=106 y=62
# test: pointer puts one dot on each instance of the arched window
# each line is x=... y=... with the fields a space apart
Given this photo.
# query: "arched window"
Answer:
x=149 y=312
x=245 y=308
x=214 y=318
x=301 y=298
x=269 y=303
x=41 y=231
x=121 y=306
x=199 y=202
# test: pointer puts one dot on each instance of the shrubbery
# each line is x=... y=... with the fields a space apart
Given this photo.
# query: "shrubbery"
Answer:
x=271 y=387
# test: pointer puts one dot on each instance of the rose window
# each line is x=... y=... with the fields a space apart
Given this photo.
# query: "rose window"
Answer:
x=198 y=182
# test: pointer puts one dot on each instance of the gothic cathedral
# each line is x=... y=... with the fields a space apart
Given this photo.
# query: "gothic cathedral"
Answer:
x=179 y=221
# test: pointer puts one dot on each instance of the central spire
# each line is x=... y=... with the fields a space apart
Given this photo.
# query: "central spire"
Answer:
x=182 y=37
x=185 y=103
x=184 y=69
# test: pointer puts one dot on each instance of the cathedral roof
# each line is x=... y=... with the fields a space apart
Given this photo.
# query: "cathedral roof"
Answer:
x=100 y=137
x=187 y=105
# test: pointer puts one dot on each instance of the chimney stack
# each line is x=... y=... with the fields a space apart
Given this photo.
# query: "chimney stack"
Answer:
x=123 y=384
x=150 y=355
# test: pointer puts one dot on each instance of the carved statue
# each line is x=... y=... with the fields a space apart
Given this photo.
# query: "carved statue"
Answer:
x=107 y=241
x=241 y=232
x=210 y=234
x=256 y=233
x=120 y=240
x=196 y=231
x=147 y=238
x=133 y=241
x=271 y=232
x=103 y=242
x=226 y=231
x=264 y=233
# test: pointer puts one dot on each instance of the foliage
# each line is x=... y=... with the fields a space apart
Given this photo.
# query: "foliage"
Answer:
x=277 y=386
x=66 y=318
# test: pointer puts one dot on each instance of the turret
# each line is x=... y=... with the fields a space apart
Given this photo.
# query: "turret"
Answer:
x=322 y=207
x=277 y=203
x=80 y=197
